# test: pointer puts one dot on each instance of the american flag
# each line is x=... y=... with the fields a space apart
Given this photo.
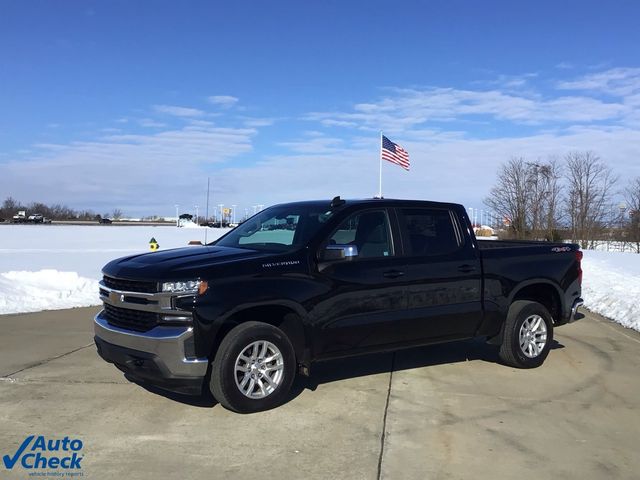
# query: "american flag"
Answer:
x=394 y=153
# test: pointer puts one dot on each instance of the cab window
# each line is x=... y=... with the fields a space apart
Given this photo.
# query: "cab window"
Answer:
x=369 y=231
x=429 y=232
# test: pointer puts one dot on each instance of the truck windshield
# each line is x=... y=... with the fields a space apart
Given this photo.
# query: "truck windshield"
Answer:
x=281 y=228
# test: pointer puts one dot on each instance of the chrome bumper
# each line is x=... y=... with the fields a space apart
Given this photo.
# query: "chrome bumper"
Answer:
x=577 y=303
x=167 y=343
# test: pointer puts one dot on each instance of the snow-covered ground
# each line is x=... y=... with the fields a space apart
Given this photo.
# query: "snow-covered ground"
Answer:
x=46 y=267
x=611 y=285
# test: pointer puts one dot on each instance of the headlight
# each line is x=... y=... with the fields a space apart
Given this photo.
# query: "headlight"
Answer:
x=188 y=286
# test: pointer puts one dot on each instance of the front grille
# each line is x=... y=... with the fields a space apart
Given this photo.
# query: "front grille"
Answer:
x=130 y=285
x=130 y=319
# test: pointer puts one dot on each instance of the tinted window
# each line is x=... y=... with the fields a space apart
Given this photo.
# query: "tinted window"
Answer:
x=429 y=231
x=369 y=231
x=278 y=229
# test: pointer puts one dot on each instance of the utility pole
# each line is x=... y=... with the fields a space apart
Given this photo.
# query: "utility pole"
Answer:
x=221 y=214
x=196 y=214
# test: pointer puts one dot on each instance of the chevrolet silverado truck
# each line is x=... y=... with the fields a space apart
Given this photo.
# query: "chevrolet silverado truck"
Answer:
x=304 y=282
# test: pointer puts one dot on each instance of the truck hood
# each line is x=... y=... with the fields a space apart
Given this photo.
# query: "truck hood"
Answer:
x=179 y=263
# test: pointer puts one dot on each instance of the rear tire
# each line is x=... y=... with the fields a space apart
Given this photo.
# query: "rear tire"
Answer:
x=253 y=369
x=528 y=334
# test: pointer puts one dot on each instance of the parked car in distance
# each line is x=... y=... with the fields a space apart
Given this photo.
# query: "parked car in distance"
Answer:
x=241 y=316
x=106 y=221
x=20 y=217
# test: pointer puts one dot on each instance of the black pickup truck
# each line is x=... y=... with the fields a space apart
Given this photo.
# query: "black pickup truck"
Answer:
x=307 y=281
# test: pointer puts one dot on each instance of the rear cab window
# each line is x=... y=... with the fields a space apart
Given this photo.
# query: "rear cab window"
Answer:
x=429 y=231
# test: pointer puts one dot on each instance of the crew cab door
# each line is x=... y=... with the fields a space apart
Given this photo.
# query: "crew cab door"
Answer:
x=442 y=275
x=366 y=292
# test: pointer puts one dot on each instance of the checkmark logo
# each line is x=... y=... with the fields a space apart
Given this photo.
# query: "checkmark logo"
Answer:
x=10 y=462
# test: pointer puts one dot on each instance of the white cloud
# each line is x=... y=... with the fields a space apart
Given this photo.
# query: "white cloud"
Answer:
x=135 y=172
x=409 y=108
x=150 y=123
x=258 y=122
x=224 y=101
x=178 y=111
x=511 y=81
x=564 y=66
x=615 y=81
x=455 y=137
x=201 y=123
x=315 y=146
x=458 y=169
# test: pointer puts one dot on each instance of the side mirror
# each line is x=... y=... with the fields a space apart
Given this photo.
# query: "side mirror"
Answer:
x=338 y=252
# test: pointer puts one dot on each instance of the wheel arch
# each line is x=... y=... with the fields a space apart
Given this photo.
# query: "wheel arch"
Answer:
x=542 y=291
x=286 y=317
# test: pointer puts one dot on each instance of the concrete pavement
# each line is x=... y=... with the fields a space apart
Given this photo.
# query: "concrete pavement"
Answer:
x=445 y=411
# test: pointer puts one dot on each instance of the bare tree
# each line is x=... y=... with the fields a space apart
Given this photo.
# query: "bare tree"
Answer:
x=117 y=214
x=632 y=197
x=552 y=178
x=528 y=194
x=9 y=208
x=510 y=198
x=535 y=196
x=543 y=192
x=589 y=198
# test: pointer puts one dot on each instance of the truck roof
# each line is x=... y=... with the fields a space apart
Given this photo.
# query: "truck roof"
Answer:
x=385 y=202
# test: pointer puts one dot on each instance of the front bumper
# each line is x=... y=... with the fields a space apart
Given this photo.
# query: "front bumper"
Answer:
x=159 y=356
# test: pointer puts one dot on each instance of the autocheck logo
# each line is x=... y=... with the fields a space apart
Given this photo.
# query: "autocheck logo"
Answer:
x=39 y=453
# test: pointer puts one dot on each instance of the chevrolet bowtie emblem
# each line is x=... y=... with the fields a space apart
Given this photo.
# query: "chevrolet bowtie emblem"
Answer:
x=116 y=297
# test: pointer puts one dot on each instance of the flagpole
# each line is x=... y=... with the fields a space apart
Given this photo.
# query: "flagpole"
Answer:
x=207 y=214
x=380 y=173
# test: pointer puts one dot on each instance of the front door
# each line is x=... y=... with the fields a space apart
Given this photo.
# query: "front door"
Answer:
x=365 y=294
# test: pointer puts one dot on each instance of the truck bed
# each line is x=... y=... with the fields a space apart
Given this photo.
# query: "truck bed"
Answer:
x=493 y=244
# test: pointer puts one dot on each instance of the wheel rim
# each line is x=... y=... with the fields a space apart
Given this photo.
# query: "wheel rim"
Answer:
x=259 y=369
x=533 y=336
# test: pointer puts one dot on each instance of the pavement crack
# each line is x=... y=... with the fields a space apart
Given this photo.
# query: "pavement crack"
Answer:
x=25 y=381
x=43 y=362
x=383 y=434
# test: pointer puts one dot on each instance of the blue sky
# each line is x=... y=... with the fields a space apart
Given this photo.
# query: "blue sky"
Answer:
x=133 y=104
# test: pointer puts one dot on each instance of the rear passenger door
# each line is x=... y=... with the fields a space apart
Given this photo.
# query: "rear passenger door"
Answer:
x=442 y=275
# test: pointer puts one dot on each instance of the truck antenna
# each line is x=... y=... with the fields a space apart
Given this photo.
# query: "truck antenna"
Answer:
x=337 y=202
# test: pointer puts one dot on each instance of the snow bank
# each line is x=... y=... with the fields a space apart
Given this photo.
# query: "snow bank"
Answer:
x=45 y=290
x=611 y=286
x=49 y=267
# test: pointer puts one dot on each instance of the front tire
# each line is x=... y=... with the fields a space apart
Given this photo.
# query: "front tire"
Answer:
x=253 y=369
x=528 y=334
